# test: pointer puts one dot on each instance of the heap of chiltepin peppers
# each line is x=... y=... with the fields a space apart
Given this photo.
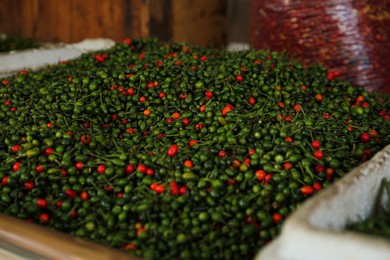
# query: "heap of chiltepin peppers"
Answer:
x=170 y=151
x=13 y=42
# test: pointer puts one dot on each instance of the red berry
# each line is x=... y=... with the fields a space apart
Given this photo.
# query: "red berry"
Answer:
x=101 y=168
x=260 y=174
x=149 y=171
x=252 y=101
x=29 y=185
x=153 y=186
x=183 y=190
x=174 y=188
x=130 y=92
x=297 y=108
x=108 y=188
x=365 y=137
x=198 y=126
x=373 y=133
x=287 y=166
x=84 y=195
x=15 y=148
x=318 y=154
x=79 y=166
x=239 y=78
x=222 y=153
x=42 y=203
x=176 y=115
x=172 y=151
x=114 y=117
x=317 y=186
x=4 y=181
x=70 y=193
x=16 y=166
x=251 y=152
x=150 y=85
x=307 y=190
x=230 y=181
x=85 y=139
x=64 y=172
x=316 y=144
x=318 y=97
x=129 y=246
x=39 y=168
x=277 y=217
x=159 y=188
x=44 y=217
x=142 y=168
x=326 y=116
x=49 y=151
x=59 y=204
x=130 y=130
x=186 y=121
x=192 y=142
x=247 y=161
x=208 y=94
x=74 y=213
x=129 y=168
x=127 y=41
x=319 y=168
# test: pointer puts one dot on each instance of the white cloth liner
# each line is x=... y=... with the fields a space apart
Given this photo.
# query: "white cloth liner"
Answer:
x=315 y=229
x=15 y=61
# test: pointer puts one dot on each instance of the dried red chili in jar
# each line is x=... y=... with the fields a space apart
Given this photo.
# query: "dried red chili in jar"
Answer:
x=349 y=36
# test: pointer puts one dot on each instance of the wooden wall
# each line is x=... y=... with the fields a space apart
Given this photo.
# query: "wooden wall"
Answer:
x=195 y=21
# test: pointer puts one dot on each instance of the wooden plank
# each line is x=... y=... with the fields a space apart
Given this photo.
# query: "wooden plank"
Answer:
x=140 y=18
x=62 y=28
x=43 y=20
x=117 y=31
x=28 y=11
x=160 y=23
x=36 y=242
x=200 y=22
x=92 y=19
x=85 y=21
x=143 y=14
x=238 y=21
x=9 y=10
x=74 y=20
x=50 y=21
